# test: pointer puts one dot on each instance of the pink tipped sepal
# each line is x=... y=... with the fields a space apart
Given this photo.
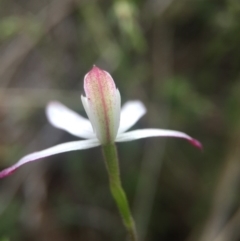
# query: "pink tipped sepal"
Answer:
x=102 y=104
x=196 y=143
x=7 y=172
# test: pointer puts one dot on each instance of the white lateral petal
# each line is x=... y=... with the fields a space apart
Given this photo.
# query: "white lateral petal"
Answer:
x=131 y=112
x=89 y=112
x=63 y=118
x=65 y=147
x=117 y=113
x=138 y=134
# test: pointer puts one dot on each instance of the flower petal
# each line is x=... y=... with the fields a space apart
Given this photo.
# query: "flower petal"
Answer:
x=117 y=112
x=65 y=147
x=63 y=118
x=131 y=112
x=138 y=134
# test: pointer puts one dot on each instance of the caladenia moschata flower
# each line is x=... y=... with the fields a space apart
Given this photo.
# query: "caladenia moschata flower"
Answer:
x=107 y=124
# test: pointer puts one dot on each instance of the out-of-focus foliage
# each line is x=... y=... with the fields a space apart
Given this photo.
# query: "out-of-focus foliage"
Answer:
x=181 y=58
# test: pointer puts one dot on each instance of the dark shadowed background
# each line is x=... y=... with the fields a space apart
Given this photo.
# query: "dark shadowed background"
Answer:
x=181 y=58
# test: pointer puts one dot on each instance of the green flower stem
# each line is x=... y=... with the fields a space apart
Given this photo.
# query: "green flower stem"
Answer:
x=111 y=160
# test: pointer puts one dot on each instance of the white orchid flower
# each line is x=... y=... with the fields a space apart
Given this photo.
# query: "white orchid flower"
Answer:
x=107 y=122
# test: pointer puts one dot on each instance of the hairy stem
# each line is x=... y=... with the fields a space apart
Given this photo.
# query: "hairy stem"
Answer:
x=111 y=160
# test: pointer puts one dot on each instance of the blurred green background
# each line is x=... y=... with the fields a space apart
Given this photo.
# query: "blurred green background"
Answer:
x=181 y=58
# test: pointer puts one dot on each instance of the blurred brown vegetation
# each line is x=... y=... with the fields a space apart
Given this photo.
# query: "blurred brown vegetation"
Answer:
x=181 y=58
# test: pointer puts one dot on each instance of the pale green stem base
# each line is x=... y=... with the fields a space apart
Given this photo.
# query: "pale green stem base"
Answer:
x=111 y=160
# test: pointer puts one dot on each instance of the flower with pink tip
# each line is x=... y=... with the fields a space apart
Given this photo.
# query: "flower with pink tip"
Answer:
x=107 y=122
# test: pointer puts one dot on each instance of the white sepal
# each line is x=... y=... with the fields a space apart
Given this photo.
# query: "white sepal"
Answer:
x=143 y=133
x=65 y=147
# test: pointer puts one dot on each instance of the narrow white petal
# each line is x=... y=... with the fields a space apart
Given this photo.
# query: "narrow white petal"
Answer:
x=131 y=112
x=89 y=112
x=117 y=113
x=138 y=134
x=63 y=118
x=65 y=147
